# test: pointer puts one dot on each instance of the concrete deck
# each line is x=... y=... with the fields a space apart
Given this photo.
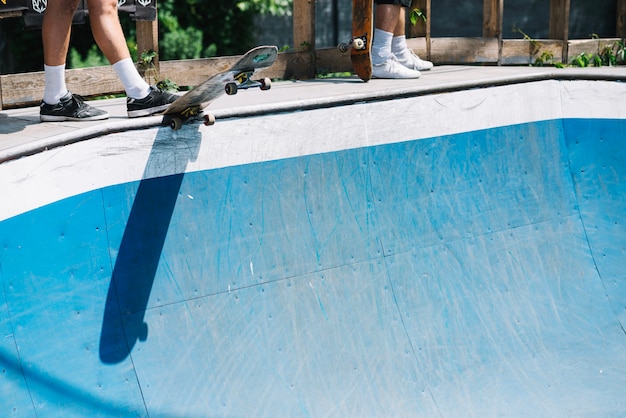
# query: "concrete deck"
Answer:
x=23 y=134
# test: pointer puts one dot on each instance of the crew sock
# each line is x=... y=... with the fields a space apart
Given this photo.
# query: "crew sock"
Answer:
x=381 y=47
x=55 y=88
x=135 y=86
x=400 y=49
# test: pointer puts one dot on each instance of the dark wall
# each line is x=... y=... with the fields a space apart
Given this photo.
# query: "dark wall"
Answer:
x=454 y=18
x=449 y=18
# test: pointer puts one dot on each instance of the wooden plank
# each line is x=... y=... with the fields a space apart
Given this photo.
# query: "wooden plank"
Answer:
x=331 y=60
x=304 y=34
x=20 y=90
x=464 y=50
x=559 y=23
x=588 y=46
x=419 y=45
x=524 y=52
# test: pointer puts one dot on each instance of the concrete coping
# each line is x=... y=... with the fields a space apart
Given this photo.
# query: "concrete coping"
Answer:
x=439 y=81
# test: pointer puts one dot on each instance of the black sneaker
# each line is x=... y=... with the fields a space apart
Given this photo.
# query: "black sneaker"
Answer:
x=71 y=107
x=155 y=102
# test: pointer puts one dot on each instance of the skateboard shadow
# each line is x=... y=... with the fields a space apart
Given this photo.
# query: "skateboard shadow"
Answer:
x=12 y=124
x=140 y=249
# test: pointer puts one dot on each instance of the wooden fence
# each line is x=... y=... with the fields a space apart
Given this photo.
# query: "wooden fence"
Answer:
x=18 y=90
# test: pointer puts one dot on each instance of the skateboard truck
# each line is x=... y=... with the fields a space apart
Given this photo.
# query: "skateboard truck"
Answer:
x=176 y=122
x=358 y=42
x=244 y=81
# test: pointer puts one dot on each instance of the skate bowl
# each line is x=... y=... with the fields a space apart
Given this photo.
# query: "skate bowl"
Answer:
x=454 y=254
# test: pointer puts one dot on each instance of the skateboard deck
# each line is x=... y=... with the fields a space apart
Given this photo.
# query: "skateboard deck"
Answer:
x=360 y=44
x=239 y=76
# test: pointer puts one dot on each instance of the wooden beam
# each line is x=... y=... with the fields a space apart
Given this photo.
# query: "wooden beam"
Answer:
x=465 y=50
x=26 y=89
x=621 y=19
x=148 y=38
x=526 y=52
x=492 y=18
x=421 y=29
x=304 y=34
x=492 y=22
x=559 y=23
x=579 y=46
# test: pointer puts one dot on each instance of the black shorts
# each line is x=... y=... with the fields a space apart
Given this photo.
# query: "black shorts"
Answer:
x=405 y=3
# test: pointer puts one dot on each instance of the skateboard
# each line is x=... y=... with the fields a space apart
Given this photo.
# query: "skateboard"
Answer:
x=238 y=77
x=360 y=45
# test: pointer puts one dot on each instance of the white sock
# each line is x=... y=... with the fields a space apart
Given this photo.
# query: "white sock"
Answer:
x=399 y=48
x=55 y=87
x=135 y=86
x=381 y=47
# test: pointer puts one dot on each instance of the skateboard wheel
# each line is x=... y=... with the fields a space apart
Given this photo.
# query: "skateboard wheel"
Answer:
x=230 y=88
x=343 y=47
x=266 y=83
x=142 y=332
x=359 y=43
x=176 y=123
x=209 y=119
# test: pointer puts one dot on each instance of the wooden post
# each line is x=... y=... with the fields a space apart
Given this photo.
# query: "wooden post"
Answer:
x=559 y=23
x=492 y=22
x=621 y=19
x=421 y=28
x=148 y=37
x=304 y=35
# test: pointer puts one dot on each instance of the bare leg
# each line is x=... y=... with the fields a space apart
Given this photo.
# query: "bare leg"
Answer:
x=387 y=17
x=107 y=30
x=57 y=25
x=400 y=28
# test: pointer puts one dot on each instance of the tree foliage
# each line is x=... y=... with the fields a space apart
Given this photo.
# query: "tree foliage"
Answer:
x=187 y=29
x=273 y=7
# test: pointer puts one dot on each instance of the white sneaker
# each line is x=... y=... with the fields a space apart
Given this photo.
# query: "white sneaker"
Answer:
x=391 y=68
x=412 y=61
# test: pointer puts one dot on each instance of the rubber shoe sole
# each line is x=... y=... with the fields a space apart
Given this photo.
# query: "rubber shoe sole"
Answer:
x=156 y=101
x=71 y=108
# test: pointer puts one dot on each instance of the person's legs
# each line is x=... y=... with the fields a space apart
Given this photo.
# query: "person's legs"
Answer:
x=402 y=52
x=108 y=33
x=384 y=63
x=58 y=103
x=386 y=19
x=142 y=99
x=55 y=30
x=57 y=24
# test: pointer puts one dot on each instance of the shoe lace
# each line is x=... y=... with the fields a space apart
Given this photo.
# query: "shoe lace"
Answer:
x=78 y=100
x=416 y=56
x=392 y=62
